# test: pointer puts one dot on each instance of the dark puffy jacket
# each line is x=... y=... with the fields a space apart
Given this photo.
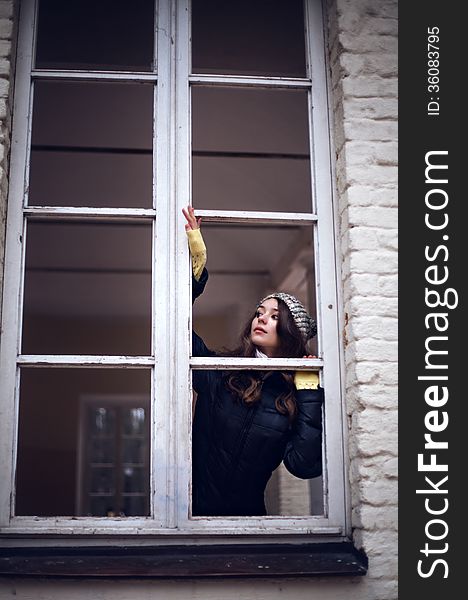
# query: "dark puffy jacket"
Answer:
x=236 y=447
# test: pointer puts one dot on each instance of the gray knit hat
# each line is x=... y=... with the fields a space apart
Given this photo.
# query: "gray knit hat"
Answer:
x=303 y=320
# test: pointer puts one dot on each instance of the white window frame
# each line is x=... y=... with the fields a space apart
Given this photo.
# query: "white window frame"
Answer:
x=171 y=293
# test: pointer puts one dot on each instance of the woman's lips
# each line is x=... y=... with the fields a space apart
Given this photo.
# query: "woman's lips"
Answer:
x=258 y=330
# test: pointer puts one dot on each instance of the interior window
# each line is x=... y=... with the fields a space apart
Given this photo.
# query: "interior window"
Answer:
x=83 y=442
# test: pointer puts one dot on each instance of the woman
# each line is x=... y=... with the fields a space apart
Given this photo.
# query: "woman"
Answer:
x=247 y=422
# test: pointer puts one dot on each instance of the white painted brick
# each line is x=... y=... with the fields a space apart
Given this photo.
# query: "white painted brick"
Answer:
x=371 y=422
x=371 y=108
x=362 y=195
x=385 y=328
x=5 y=67
x=6 y=8
x=370 y=130
x=365 y=469
x=373 y=261
x=382 y=44
x=358 y=306
x=375 y=467
x=6 y=28
x=3 y=108
x=363 y=152
x=4 y=88
x=377 y=543
x=381 y=8
x=362 y=284
x=369 y=238
x=382 y=492
x=363 y=443
x=385 y=566
x=384 y=589
x=378 y=25
x=380 y=395
x=361 y=65
x=371 y=216
x=370 y=349
x=362 y=238
x=371 y=86
x=5 y=48
x=388 y=285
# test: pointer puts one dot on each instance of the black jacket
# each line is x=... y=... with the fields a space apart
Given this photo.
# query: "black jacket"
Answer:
x=237 y=447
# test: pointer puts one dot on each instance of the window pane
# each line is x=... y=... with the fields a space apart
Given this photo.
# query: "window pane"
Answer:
x=251 y=149
x=87 y=288
x=71 y=440
x=246 y=263
x=103 y=35
x=91 y=145
x=249 y=37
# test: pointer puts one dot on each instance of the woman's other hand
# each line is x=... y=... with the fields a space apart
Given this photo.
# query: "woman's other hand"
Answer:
x=192 y=221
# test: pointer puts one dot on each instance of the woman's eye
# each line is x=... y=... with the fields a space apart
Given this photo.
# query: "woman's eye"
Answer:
x=275 y=317
x=258 y=314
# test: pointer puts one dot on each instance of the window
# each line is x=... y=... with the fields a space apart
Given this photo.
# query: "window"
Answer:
x=122 y=116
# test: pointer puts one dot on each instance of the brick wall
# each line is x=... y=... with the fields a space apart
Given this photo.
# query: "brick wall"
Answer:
x=6 y=35
x=363 y=61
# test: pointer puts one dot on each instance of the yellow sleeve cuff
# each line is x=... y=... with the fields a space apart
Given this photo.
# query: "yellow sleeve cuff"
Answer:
x=306 y=380
x=197 y=251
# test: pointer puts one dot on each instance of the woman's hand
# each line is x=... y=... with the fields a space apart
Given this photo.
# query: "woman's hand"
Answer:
x=306 y=380
x=192 y=221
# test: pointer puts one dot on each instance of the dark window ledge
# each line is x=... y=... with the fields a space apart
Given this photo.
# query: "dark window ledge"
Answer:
x=245 y=560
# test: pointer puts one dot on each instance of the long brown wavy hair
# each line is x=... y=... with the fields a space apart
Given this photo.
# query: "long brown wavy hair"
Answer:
x=246 y=386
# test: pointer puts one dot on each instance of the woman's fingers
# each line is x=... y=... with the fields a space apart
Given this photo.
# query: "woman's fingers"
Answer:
x=192 y=221
x=309 y=356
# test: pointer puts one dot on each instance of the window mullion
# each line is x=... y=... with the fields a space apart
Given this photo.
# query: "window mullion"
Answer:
x=182 y=391
x=162 y=494
x=326 y=265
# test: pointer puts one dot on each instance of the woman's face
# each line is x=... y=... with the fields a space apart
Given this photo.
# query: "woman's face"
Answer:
x=263 y=329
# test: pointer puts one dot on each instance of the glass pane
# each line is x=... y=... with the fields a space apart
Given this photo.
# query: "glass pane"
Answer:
x=257 y=482
x=251 y=149
x=248 y=37
x=246 y=263
x=70 y=423
x=103 y=35
x=87 y=288
x=91 y=145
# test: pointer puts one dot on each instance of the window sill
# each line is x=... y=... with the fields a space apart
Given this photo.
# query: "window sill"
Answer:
x=246 y=560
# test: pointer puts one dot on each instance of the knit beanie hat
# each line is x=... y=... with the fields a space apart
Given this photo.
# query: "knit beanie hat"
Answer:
x=302 y=319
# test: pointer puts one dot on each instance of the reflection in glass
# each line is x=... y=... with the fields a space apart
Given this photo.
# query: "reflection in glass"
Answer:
x=134 y=479
x=102 y=480
x=134 y=421
x=70 y=440
x=272 y=34
x=251 y=149
x=87 y=288
x=104 y=35
x=91 y=145
x=102 y=422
